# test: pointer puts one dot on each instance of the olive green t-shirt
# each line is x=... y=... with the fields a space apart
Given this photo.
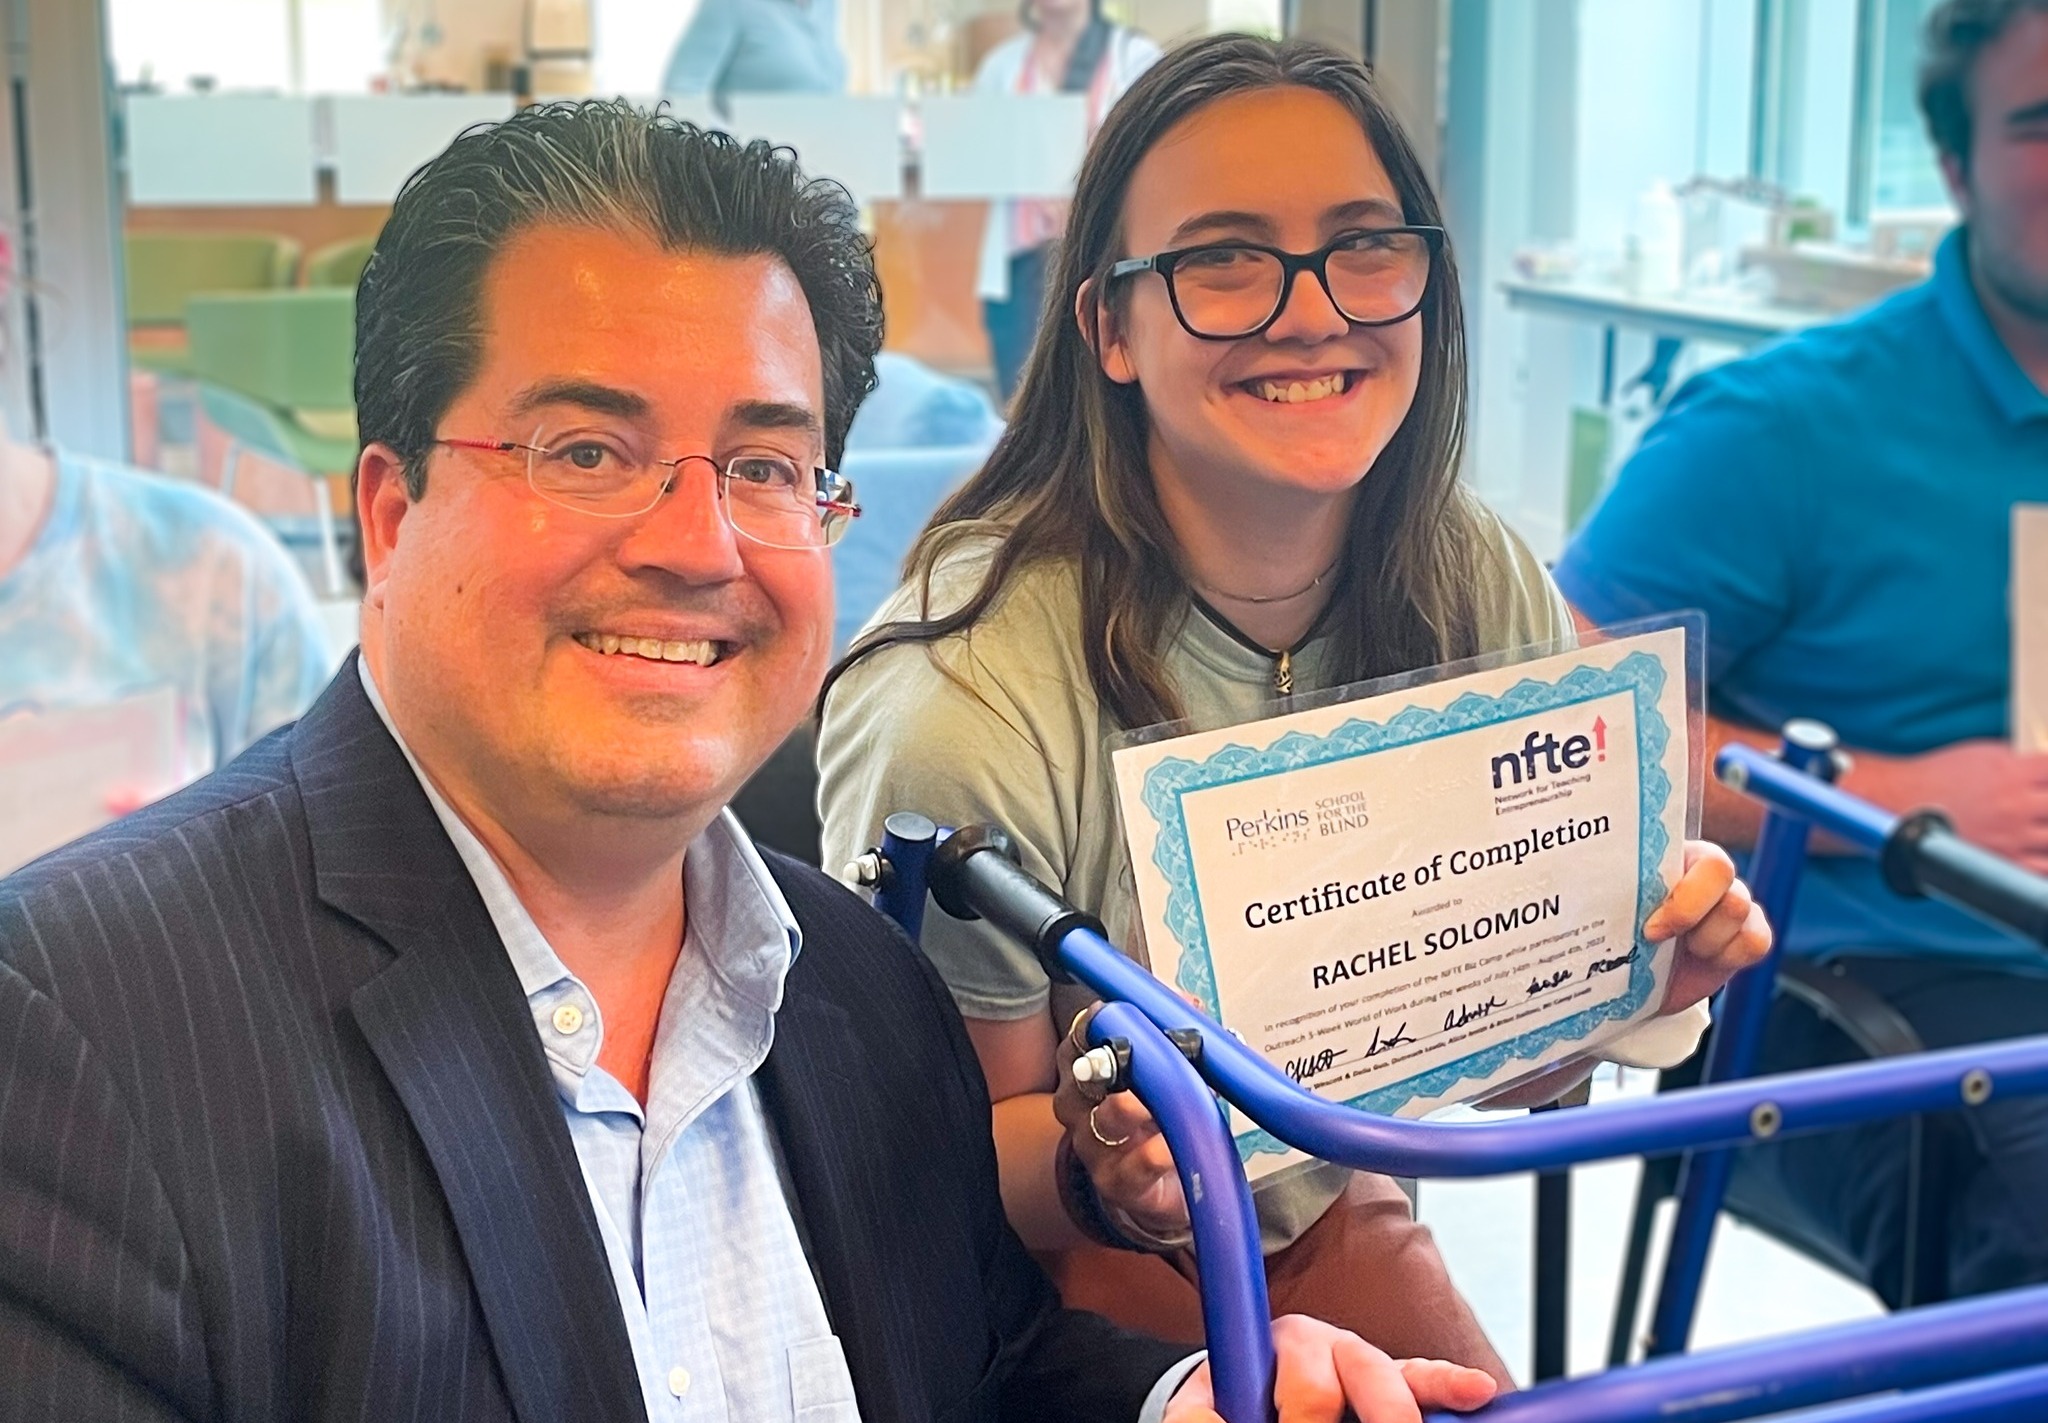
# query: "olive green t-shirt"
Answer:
x=1023 y=744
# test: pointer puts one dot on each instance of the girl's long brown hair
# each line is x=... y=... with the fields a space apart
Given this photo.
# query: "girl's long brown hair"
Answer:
x=1069 y=479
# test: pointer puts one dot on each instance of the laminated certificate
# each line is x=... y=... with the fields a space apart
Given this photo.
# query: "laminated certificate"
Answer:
x=1419 y=897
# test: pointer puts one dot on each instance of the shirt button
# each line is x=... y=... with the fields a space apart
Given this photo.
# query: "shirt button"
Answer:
x=678 y=1380
x=568 y=1019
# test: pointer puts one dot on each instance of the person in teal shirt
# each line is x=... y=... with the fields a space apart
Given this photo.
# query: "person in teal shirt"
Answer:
x=1841 y=505
x=758 y=46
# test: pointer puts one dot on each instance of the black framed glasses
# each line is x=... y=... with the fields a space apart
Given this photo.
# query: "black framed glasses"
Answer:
x=1227 y=291
x=766 y=498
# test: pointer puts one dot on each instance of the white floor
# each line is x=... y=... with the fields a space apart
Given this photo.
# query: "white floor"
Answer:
x=1754 y=1287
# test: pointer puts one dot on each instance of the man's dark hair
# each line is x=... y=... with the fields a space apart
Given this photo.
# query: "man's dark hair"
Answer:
x=1957 y=33
x=600 y=164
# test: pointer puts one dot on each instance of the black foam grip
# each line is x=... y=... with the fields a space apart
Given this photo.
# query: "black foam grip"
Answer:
x=974 y=874
x=1924 y=857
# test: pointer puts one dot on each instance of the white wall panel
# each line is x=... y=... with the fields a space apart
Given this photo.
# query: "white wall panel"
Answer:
x=379 y=140
x=1003 y=145
x=220 y=150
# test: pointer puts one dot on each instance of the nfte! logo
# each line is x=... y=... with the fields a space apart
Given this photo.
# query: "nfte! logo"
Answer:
x=1543 y=754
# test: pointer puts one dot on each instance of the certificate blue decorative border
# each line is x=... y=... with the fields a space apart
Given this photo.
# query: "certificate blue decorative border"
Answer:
x=1640 y=674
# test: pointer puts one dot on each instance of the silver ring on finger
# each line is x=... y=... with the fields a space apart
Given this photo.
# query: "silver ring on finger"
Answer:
x=1097 y=1130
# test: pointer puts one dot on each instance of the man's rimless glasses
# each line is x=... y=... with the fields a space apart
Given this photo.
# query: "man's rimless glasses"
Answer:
x=767 y=498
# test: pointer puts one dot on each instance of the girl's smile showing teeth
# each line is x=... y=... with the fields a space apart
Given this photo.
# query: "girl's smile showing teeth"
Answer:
x=1301 y=392
x=702 y=651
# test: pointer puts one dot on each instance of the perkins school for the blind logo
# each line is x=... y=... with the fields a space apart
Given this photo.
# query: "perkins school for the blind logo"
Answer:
x=1334 y=814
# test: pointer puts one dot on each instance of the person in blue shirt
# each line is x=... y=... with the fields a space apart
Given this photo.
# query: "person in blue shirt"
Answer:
x=1840 y=505
x=114 y=582
x=758 y=46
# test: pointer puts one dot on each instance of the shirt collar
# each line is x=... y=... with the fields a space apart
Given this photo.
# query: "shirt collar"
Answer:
x=1236 y=658
x=2016 y=396
x=737 y=915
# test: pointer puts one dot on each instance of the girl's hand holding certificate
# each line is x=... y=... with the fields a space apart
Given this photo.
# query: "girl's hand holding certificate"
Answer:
x=1719 y=928
x=1720 y=931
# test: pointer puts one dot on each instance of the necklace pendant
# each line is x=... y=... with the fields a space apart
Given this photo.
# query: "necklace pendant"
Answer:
x=1283 y=675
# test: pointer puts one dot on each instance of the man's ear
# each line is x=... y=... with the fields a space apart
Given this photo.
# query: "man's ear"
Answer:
x=382 y=503
x=1104 y=335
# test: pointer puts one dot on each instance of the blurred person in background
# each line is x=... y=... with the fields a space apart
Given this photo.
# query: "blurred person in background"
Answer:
x=1067 y=48
x=1846 y=498
x=114 y=581
x=758 y=47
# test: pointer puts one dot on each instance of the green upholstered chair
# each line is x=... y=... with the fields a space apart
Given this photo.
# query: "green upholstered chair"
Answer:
x=276 y=374
x=166 y=269
x=302 y=518
x=294 y=350
x=340 y=265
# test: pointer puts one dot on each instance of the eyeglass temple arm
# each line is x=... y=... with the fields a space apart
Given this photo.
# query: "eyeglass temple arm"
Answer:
x=502 y=446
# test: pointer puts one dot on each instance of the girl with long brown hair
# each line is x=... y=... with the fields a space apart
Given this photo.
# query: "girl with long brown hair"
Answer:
x=1231 y=475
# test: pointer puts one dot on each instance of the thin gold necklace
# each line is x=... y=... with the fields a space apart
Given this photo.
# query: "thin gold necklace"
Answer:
x=1283 y=658
x=1255 y=599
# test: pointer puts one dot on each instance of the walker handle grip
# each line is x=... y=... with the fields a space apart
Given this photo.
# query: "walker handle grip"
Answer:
x=975 y=875
x=1923 y=856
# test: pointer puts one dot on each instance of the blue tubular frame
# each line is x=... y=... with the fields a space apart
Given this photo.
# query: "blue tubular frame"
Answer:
x=1999 y=1398
x=1234 y=1302
x=1174 y=1050
x=1807 y=795
x=1725 y=1114
x=1809 y=753
x=908 y=840
x=1993 y=1333
x=1919 y=854
x=1922 y=1347
x=1796 y=786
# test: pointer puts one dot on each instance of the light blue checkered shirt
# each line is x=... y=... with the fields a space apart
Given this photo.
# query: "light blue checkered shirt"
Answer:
x=726 y=1319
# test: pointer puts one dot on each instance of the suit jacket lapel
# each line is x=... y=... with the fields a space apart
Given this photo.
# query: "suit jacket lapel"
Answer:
x=449 y=1024
x=858 y=1229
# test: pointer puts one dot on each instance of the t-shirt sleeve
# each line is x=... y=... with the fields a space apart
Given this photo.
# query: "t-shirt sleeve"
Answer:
x=1518 y=606
x=1703 y=515
x=900 y=734
x=700 y=56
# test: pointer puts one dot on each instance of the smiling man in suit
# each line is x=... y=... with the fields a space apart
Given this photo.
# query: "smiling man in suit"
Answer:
x=453 y=1054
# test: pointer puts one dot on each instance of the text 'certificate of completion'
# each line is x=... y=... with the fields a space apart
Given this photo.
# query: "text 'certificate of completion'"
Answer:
x=1416 y=898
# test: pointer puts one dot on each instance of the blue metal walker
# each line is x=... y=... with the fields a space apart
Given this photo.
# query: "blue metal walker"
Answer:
x=1983 y=1358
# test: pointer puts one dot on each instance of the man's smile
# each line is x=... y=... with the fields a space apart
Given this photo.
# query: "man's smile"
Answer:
x=702 y=651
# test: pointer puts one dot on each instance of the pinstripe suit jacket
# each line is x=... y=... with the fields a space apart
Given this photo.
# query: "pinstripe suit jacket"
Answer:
x=277 y=1138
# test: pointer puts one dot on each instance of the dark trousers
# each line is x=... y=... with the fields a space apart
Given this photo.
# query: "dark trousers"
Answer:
x=1013 y=324
x=1842 y=1195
